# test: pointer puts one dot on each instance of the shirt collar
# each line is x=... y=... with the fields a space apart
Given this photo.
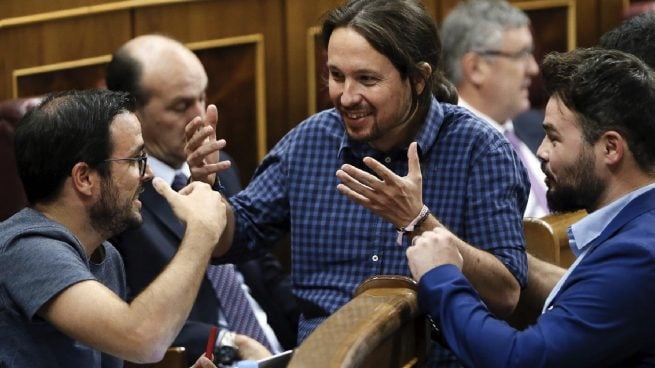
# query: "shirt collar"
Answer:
x=507 y=126
x=591 y=226
x=162 y=170
x=425 y=138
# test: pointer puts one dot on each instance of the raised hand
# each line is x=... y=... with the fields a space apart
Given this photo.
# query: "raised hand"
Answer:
x=196 y=204
x=203 y=149
x=396 y=199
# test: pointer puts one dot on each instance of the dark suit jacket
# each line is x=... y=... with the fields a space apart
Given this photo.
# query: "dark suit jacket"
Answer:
x=148 y=249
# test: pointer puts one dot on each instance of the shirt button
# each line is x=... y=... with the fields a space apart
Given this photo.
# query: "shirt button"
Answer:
x=375 y=258
x=387 y=159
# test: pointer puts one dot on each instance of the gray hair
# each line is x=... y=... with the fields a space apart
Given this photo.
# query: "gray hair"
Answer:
x=476 y=25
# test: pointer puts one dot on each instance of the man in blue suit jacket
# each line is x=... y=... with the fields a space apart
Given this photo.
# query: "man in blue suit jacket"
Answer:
x=169 y=83
x=597 y=155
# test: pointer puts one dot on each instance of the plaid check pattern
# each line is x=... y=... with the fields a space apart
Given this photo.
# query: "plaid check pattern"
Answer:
x=473 y=182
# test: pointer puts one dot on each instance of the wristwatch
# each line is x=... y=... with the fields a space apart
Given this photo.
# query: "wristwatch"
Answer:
x=227 y=352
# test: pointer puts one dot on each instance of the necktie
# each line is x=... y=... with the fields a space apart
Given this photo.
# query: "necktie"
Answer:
x=235 y=305
x=179 y=181
x=536 y=186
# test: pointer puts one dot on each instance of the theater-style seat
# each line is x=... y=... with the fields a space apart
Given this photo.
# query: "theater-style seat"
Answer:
x=12 y=196
x=546 y=238
x=380 y=327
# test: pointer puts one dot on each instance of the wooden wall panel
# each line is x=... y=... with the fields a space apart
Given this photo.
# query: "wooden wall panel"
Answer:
x=44 y=43
x=554 y=29
x=233 y=70
x=301 y=16
x=80 y=74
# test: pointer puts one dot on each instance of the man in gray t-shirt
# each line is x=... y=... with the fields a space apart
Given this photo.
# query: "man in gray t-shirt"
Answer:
x=29 y=241
x=62 y=286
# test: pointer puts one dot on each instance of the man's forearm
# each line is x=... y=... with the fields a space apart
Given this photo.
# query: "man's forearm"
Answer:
x=496 y=285
x=163 y=307
x=542 y=277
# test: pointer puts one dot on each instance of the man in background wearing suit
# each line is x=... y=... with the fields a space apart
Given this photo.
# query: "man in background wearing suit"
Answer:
x=169 y=84
x=488 y=56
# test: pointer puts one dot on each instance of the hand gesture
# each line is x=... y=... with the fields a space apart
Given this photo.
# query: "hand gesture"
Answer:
x=195 y=204
x=203 y=149
x=432 y=249
x=396 y=199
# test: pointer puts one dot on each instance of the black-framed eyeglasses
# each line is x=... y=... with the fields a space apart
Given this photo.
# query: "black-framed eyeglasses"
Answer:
x=141 y=160
x=521 y=55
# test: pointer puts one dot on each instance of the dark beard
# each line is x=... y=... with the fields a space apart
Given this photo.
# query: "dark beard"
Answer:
x=108 y=216
x=583 y=191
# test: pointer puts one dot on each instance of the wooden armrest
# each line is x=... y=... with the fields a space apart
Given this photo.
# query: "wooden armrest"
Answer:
x=175 y=357
x=379 y=327
x=546 y=238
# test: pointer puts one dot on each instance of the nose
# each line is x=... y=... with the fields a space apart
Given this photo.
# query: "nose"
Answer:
x=542 y=151
x=533 y=67
x=148 y=174
x=350 y=95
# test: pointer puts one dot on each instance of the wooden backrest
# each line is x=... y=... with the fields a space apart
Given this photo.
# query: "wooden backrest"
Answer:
x=175 y=357
x=379 y=327
x=546 y=238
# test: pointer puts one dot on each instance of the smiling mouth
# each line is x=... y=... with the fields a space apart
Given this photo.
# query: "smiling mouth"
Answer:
x=355 y=115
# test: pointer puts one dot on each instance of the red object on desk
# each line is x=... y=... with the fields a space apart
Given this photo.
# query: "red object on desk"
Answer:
x=211 y=342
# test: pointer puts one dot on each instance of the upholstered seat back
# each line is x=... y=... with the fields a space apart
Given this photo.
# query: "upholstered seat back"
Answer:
x=12 y=195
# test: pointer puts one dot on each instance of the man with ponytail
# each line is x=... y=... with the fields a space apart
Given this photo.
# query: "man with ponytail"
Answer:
x=393 y=158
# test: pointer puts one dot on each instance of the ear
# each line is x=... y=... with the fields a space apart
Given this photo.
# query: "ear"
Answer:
x=85 y=180
x=614 y=147
x=419 y=81
x=474 y=70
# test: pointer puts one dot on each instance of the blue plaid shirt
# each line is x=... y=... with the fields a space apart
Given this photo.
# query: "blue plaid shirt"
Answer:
x=473 y=182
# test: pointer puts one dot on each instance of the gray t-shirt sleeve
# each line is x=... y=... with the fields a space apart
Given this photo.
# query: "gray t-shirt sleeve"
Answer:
x=41 y=268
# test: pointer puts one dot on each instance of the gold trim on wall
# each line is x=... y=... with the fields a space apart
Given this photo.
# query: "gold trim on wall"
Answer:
x=54 y=67
x=260 y=75
x=85 y=10
x=311 y=69
x=571 y=29
x=260 y=78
